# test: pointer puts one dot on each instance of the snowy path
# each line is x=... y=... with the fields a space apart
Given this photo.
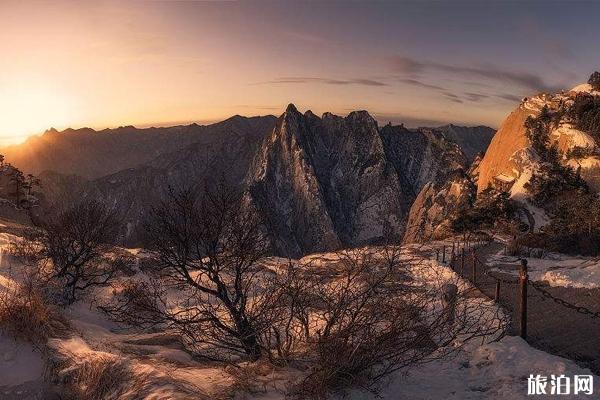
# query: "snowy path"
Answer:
x=551 y=326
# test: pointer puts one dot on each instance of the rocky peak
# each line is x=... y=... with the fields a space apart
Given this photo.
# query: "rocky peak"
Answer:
x=328 y=185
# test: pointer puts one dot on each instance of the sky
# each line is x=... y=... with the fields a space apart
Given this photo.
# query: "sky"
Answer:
x=153 y=63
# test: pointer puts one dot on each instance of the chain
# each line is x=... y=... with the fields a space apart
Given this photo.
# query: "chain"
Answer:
x=579 y=309
x=540 y=288
x=512 y=282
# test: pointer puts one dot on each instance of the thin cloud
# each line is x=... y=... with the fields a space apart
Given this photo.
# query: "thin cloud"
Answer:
x=452 y=97
x=308 y=38
x=476 y=96
x=326 y=81
x=508 y=97
x=527 y=80
x=415 y=82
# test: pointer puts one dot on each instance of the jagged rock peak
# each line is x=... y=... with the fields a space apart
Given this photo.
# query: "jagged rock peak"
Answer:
x=360 y=115
x=310 y=114
x=291 y=108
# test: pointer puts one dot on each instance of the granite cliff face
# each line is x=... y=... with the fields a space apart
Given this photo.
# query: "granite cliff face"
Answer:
x=473 y=140
x=439 y=203
x=510 y=162
x=510 y=152
x=330 y=182
x=323 y=183
x=421 y=156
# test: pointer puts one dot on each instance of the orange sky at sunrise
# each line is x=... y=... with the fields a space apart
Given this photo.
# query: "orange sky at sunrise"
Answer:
x=105 y=64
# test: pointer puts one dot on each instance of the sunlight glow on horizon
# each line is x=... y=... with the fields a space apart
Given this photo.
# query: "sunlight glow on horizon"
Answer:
x=108 y=64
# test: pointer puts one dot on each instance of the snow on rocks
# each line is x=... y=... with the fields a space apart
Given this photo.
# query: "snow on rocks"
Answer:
x=585 y=88
x=554 y=268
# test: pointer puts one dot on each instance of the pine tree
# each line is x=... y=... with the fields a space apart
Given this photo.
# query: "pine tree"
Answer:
x=31 y=182
x=595 y=80
x=18 y=179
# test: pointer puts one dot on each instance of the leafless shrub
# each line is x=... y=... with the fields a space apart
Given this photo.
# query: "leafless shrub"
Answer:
x=69 y=248
x=349 y=323
x=372 y=319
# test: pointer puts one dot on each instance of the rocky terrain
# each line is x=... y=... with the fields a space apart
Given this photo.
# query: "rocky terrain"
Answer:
x=567 y=119
x=319 y=183
x=473 y=140
x=509 y=147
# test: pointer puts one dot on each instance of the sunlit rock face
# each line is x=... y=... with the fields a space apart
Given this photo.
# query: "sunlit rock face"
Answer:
x=510 y=153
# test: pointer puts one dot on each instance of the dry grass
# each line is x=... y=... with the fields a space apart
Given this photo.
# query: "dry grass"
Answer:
x=104 y=376
x=249 y=379
x=97 y=378
x=25 y=315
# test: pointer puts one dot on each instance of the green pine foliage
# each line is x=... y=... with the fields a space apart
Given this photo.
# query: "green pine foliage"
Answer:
x=492 y=207
x=595 y=80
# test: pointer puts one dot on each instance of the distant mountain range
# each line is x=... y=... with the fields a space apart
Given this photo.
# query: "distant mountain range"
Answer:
x=319 y=182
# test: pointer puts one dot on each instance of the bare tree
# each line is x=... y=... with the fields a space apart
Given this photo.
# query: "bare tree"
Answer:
x=208 y=247
x=370 y=317
x=71 y=248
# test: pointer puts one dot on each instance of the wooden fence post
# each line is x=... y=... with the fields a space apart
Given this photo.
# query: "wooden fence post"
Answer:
x=449 y=293
x=437 y=254
x=523 y=277
x=497 y=293
x=462 y=261
x=474 y=269
x=444 y=253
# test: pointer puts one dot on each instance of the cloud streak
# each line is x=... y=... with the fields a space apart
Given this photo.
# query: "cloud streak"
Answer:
x=325 y=81
x=410 y=66
x=415 y=82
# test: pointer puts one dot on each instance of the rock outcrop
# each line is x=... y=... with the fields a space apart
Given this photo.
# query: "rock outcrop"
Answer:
x=324 y=183
x=510 y=154
x=473 y=140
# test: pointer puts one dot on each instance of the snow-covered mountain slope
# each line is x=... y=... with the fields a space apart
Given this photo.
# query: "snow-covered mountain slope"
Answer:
x=139 y=364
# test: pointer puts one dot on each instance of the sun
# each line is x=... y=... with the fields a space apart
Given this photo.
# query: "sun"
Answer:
x=27 y=110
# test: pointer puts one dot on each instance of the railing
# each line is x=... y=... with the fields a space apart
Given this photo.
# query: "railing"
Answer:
x=462 y=253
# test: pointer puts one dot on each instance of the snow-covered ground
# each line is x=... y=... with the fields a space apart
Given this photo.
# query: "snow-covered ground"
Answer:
x=157 y=366
x=556 y=269
x=492 y=371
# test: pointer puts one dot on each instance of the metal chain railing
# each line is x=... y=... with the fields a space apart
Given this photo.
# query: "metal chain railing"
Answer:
x=580 y=309
x=536 y=285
